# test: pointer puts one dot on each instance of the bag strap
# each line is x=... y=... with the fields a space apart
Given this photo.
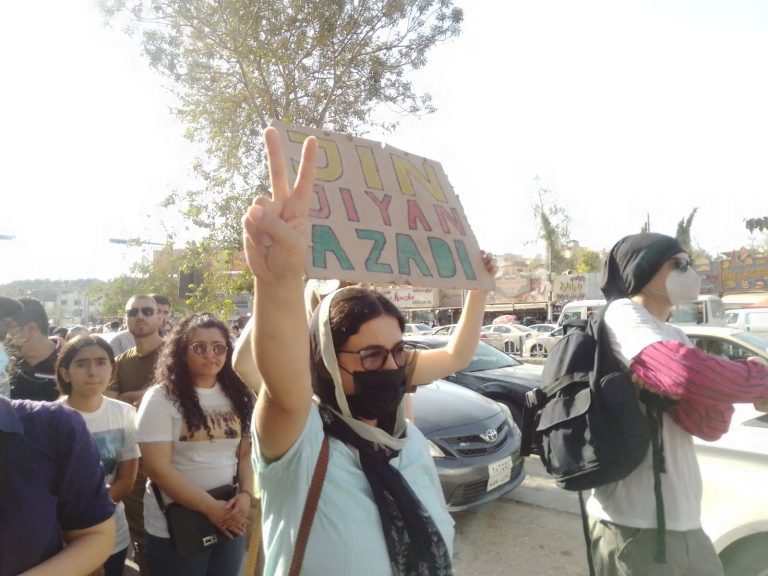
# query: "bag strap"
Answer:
x=585 y=528
x=313 y=497
x=654 y=413
x=235 y=480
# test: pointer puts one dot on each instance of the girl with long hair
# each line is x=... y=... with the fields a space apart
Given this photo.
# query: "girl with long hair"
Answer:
x=83 y=372
x=194 y=436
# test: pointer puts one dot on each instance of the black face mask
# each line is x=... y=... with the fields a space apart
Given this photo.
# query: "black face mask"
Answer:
x=377 y=393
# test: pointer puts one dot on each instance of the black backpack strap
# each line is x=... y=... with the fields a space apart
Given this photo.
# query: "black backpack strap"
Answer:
x=585 y=528
x=654 y=411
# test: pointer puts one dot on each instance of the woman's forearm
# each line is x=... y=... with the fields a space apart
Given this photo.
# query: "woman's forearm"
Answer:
x=463 y=341
x=282 y=343
x=178 y=488
x=125 y=478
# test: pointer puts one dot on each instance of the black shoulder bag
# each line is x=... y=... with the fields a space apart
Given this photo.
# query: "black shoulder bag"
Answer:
x=192 y=531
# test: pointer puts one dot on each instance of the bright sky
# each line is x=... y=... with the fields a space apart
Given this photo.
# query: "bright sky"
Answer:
x=620 y=108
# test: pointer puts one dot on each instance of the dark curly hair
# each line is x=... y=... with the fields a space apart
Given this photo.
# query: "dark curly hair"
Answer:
x=173 y=373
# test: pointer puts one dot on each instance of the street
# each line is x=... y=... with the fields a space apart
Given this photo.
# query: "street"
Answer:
x=535 y=529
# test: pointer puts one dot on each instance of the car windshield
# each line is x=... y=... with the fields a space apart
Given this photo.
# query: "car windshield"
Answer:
x=753 y=340
x=487 y=358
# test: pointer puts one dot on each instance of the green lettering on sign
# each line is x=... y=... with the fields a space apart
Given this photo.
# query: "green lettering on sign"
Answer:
x=372 y=263
x=407 y=251
x=324 y=240
x=466 y=265
x=443 y=257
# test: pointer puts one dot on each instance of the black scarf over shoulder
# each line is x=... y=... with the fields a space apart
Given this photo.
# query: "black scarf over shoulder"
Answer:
x=414 y=542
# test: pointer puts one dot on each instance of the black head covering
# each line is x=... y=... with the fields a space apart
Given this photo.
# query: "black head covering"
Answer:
x=634 y=261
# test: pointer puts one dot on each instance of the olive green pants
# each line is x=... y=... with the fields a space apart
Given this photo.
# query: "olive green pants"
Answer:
x=624 y=551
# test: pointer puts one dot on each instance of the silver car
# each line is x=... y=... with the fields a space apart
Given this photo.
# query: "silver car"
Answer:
x=473 y=440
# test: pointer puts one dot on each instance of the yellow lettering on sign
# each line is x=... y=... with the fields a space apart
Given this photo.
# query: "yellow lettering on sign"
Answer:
x=369 y=168
x=406 y=172
x=333 y=168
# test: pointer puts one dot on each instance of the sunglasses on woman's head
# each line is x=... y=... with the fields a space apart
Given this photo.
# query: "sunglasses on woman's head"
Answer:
x=374 y=357
x=146 y=311
x=201 y=348
x=681 y=263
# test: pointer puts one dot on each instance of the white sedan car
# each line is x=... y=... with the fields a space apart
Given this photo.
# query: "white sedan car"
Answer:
x=514 y=335
x=540 y=346
x=735 y=468
x=492 y=338
x=734 y=512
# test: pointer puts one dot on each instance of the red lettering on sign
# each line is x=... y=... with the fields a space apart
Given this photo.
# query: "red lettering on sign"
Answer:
x=415 y=215
x=383 y=206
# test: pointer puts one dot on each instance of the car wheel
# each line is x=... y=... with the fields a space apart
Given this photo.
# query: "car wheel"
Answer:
x=509 y=347
x=538 y=351
x=747 y=557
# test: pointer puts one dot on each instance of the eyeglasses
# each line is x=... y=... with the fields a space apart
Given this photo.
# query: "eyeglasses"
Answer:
x=681 y=263
x=374 y=357
x=201 y=348
x=146 y=311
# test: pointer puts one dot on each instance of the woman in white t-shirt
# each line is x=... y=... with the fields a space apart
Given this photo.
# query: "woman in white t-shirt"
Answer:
x=193 y=432
x=83 y=372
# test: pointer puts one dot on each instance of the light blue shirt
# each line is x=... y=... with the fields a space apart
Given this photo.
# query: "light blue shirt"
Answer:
x=346 y=537
x=5 y=385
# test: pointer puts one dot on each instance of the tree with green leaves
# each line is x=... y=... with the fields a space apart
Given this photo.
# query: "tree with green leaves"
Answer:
x=683 y=233
x=760 y=224
x=236 y=64
x=554 y=229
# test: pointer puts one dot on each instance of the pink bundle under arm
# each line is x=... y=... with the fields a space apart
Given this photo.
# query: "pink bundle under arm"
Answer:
x=706 y=385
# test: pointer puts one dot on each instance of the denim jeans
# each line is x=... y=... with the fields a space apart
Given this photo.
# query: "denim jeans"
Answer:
x=115 y=564
x=224 y=559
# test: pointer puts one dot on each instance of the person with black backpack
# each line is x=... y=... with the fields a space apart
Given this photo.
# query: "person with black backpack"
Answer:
x=645 y=275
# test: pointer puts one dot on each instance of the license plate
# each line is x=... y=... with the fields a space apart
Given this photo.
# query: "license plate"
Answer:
x=499 y=473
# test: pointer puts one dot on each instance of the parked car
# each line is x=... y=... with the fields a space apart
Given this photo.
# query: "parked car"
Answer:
x=492 y=373
x=748 y=320
x=514 y=335
x=493 y=338
x=474 y=441
x=735 y=467
x=543 y=328
x=579 y=310
x=540 y=346
x=728 y=342
x=733 y=513
x=418 y=329
x=706 y=309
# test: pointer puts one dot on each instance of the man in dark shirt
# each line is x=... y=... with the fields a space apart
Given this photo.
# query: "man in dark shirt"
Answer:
x=134 y=373
x=52 y=491
x=32 y=370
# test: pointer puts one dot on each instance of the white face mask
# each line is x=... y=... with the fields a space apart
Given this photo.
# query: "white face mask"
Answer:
x=683 y=286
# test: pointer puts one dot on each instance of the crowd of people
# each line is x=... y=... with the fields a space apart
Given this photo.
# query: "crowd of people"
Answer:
x=113 y=443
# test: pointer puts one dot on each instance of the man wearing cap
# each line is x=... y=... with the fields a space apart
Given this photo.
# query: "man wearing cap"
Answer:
x=645 y=276
x=32 y=370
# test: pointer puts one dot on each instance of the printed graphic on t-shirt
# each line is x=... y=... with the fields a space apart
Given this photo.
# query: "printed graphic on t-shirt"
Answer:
x=110 y=443
x=224 y=425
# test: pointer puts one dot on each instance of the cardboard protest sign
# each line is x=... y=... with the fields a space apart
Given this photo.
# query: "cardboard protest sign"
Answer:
x=384 y=215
